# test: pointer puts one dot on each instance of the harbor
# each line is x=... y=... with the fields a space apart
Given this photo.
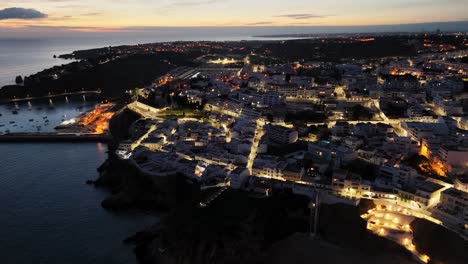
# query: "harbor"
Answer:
x=54 y=137
x=65 y=119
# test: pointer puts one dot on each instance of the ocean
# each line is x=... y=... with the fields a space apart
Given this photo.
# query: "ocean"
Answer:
x=27 y=51
x=42 y=115
x=48 y=213
x=28 y=56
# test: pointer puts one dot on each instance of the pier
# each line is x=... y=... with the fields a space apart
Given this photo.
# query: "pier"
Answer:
x=54 y=137
x=28 y=98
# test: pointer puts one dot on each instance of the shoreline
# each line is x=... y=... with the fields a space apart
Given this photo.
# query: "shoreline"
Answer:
x=91 y=92
x=52 y=137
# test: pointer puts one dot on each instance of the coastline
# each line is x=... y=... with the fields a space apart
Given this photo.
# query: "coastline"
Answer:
x=238 y=227
x=132 y=189
x=6 y=101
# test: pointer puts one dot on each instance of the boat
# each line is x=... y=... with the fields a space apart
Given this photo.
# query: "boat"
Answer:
x=30 y=120
x=12 y=122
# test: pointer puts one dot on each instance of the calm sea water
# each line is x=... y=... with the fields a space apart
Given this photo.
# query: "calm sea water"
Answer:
x=20 y=56
x=47 y=212
x=42 y=115
x=49 y=215
x=28 y=56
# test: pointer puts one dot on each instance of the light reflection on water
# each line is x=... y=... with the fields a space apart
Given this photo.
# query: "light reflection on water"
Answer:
x=48 y=214
x=42 y=115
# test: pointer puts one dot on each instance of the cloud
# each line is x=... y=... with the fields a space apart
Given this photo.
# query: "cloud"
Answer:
x=193 y=2
x=301 y=16
x=259 y=23
x=91 y=14
x=20 y=13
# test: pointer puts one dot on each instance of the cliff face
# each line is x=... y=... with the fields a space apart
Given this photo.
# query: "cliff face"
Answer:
x=119 y=125
x=442 y=245
x=238 y=228
x=128 y=187
x=235 y=228
x=131 y=188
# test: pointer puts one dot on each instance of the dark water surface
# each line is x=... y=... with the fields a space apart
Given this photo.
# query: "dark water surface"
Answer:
x=47 y=212
x=43 y=115
x=49 y=215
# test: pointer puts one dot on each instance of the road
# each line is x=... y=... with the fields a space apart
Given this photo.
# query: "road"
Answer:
x=257 y=136
x=145 y=136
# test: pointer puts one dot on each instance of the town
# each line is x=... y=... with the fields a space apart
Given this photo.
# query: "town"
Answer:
x=391 y=129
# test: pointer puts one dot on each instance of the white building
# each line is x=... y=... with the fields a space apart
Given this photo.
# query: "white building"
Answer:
x=453 y=208
x=269 y=168
x=282 y=135
x=238 y=177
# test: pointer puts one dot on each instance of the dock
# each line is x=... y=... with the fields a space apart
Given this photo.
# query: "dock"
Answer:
x=29 y=98
x=54 y=137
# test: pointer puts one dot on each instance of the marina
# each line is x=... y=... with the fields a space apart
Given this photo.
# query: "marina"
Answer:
x=42 y=115
x=54 y=137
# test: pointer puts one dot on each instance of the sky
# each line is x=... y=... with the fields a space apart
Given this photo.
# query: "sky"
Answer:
x=117 y=15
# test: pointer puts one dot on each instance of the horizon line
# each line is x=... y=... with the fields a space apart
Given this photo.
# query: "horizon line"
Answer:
x=234 y=26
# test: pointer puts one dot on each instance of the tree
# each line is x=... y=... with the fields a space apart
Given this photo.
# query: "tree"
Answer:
x=359 y=112
x=19 y=79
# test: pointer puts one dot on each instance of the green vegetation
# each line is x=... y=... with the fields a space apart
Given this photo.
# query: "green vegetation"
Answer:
x=113 y=78
x=360 y=112
x=120 y=123
x=341 y=224
x=396 y=108
x=290 y=148
x=306 y=116
x=335 y=50
x=421 y=164
x=232 y=229
x=365 y=169
x=464 y=59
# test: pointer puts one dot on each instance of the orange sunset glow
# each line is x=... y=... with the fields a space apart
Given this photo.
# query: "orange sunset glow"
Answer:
x=107 y=15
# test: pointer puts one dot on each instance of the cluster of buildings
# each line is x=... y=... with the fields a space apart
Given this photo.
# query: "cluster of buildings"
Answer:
x=388 y=129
